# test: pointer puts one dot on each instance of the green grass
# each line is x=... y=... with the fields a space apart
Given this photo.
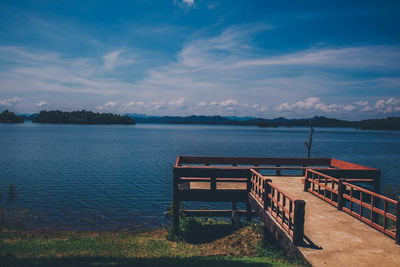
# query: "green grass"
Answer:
x=243 y=247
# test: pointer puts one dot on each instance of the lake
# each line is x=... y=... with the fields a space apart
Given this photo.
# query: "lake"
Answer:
x=120 y=176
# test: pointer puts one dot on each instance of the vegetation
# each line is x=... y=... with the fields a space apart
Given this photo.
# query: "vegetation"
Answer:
x=201 y=242
x=82 y=117
x=390 y=123
x=243 y=247
x=10 y=117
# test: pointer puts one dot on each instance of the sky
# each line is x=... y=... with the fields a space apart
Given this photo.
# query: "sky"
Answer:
x=266 y=59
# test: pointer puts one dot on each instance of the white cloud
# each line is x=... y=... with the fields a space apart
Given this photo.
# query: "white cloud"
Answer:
x=178 y=102
x=315 y=105
x=130 y=104
x=48 y=72
x=228 y=102
x=387 y=106
x=111 y=104
x=41 y=104
x=9 y=102
x=188 y=2
x=107 y=106
x=209 y=69
x=113 y=60
x=213 y=103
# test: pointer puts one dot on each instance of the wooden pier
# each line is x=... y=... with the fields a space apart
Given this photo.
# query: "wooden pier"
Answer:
x=326 y=210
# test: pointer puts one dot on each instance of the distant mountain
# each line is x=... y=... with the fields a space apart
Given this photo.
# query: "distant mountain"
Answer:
x=28 y=117
x=81 y=117
x=9 y=117
x=390 y=123
x=317 y=121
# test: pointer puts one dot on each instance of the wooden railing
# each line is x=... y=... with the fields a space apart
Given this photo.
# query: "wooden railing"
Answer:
x=364 y=205
x=322 y=185
x=288 y=212
x=376 y=210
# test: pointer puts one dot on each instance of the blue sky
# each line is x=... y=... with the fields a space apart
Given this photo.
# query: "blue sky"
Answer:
x=244 y=58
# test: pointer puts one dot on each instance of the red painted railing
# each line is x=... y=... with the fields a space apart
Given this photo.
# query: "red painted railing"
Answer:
x=367 y=206
x=323 y=186
x=287 y=211
x=361 y=203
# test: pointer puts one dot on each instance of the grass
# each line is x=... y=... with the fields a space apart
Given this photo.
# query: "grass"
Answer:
x=242 y=247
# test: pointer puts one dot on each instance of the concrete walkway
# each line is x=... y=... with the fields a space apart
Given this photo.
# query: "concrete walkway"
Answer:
x=344 y=240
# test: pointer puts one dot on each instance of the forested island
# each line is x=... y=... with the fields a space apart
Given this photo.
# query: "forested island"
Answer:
x=9 y=117
x=89 y=117
x=82 y=117
x=390 y=123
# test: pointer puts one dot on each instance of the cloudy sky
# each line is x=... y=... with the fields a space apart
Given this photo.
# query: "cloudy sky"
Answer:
x=182 y=57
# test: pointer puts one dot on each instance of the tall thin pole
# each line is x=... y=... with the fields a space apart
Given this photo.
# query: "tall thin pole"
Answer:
x=308 y=145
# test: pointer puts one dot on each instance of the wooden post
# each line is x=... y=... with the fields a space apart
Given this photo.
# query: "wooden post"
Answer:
x=235 y=217
x=377 y=202
x=175 y=203
x=248 y=207
x=398 y=222
x=298 y=221
x=213 y=183
x=278 y=171
x=267 y=190
x=306 y=184
x=340 y=199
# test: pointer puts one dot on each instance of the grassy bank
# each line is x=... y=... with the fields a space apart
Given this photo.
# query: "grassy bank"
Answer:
x=243 y=247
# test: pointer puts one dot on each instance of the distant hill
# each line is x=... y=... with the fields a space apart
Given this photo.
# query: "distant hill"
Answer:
x=81 y=117
x=390 y=123
x=28 y=117
x=9 y=117
x=88 y=117
x=317 y=121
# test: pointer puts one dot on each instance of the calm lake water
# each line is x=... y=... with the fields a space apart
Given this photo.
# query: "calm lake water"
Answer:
x=120 y=176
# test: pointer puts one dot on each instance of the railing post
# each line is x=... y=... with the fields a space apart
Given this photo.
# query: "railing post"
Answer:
x=306 y=182
x=248 y=187
x=298 y=221
x=235 y=218
x=175 y=203
x=267 y=190
x=213 y=183
x=278 y=171
x=340 y=199
x=398 y=222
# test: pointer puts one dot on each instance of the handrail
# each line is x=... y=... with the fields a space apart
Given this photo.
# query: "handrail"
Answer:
x=357 y=201
x=328 y=184
x=287 y=211
x=371 y=193
x=370 y=201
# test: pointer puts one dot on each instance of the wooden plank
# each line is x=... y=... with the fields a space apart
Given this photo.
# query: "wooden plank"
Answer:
x=214 y=172
x=348 y=165
x=215 y=213
x=254 y=161
x=353 y=173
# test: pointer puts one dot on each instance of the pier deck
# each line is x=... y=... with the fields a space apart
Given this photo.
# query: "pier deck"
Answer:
x=328 y=211
x=344 y=241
